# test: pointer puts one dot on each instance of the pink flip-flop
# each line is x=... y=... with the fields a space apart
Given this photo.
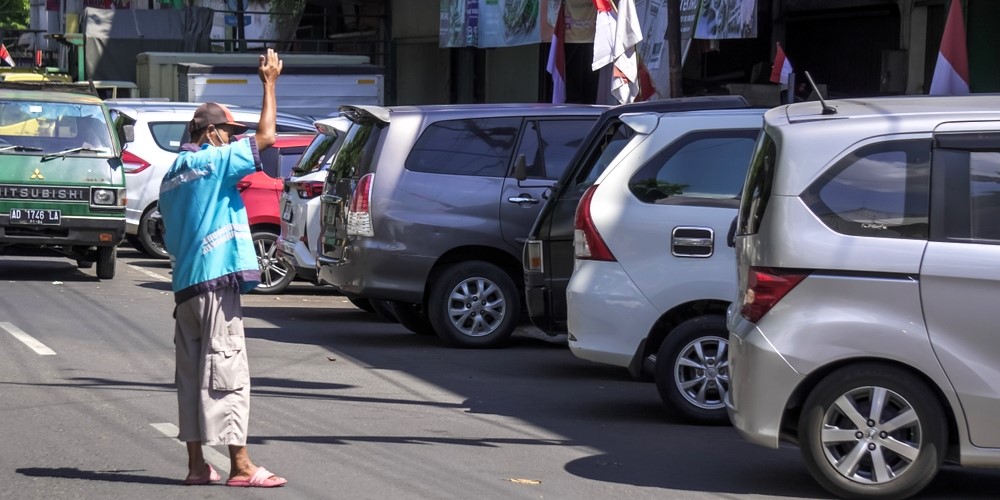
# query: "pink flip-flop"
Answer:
x=210 y=476
x=262 y=478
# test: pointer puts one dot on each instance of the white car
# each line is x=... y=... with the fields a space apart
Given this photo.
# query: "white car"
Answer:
x=159 y=128
x=653 y=275
x=300 y=199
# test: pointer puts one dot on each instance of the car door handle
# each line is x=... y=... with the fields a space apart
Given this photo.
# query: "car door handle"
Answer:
x=523 y=199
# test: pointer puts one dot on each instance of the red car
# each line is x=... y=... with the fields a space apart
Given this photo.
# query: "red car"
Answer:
x=261 y=192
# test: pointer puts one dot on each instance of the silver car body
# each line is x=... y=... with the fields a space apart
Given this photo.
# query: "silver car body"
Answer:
x=923 y=305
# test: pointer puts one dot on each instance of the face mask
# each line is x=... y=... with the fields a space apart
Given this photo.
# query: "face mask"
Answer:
x=219 y=136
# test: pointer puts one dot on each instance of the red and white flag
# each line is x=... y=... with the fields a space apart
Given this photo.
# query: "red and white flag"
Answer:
x=557 y=58
x=781 y=68
x=5 y=56
x=951 y=73
x=616 y=36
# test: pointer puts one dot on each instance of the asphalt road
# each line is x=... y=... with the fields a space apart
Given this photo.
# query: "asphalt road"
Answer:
x=346 y=406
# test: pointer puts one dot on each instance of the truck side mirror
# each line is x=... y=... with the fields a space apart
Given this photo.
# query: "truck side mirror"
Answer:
x=520 y=168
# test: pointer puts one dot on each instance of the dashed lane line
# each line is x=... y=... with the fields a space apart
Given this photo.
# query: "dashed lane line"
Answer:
x=27 y=340
x=218 y=460
x=151 y=274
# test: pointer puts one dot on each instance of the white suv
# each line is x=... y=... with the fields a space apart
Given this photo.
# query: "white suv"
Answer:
x=653 y=274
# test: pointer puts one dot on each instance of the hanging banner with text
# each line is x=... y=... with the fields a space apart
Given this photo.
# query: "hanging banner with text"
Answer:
x=722 y=19
x=508 y=23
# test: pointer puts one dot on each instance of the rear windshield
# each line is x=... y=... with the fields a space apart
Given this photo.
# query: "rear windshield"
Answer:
x=39 y=127
x=355 y=156
x=757 y=188
x=317 y=156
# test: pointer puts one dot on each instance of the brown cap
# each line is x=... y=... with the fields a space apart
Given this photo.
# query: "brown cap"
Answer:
x=213 y=113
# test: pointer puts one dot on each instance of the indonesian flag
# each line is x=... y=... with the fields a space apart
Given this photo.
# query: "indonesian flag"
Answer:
x=6 y=55
x=781 y=67
x=557 y=58
x=951 y=73
x=615 y=38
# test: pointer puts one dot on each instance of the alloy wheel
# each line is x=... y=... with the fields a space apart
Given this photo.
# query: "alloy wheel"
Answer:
x=476 y=307
x=701 y=372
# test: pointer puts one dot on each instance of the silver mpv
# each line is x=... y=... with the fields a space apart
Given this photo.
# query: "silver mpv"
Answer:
x=868 y=243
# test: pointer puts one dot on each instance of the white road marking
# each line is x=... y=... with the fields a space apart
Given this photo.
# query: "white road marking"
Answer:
x=28 y=340
x=151 y=274
x=218 y=460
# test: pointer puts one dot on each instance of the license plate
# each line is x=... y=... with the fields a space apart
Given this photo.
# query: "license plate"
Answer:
x=35 y=216
x=286 y=214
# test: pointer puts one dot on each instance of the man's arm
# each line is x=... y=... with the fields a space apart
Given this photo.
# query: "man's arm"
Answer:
x=269 y=67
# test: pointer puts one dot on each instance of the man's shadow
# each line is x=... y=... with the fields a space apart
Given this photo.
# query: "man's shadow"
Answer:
x=113 y=476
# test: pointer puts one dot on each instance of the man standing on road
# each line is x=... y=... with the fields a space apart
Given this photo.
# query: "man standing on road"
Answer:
x=208 y=234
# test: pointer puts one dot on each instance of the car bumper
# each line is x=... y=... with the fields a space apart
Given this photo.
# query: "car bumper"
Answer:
x=761 y=383
x=297 y=255
x=371 y=269
x=75 y=231
x=608 y=317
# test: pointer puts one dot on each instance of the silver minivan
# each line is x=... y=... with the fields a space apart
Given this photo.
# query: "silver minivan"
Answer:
x=867 y=246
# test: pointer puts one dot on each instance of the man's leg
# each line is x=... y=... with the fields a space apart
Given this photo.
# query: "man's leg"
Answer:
x=188 y=359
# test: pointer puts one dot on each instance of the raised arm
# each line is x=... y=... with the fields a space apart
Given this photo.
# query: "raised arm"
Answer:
x=269 y=67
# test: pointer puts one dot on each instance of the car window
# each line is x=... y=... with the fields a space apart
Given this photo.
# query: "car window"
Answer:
x=705 y=167
x=970 y=183
x=757 y=188
x=480 y=146
x=610 y=142
x=549 y=145
x=880 y=190
x=317 y=156
x=168 y=135
x=288 y=159
x=355 y=156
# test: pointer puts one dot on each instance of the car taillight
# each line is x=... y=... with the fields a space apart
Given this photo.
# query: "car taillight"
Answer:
x=359 y=216
x=309 y=189
x=587 y=242
x=132 y=164
x=765 y=287
x=533 y=256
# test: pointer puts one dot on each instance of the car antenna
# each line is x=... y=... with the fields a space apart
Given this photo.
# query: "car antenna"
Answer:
x=827 y=109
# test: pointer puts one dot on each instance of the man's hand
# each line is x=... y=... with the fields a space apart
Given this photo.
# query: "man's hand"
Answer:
x=269 y=67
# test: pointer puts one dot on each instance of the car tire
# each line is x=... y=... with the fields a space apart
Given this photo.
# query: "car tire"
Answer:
x=411 y=317
x=829 y=431
x=462 y=317
x=363 y=304
x=692 y=370
x=107 y=259
x=151 y=234
x=383 y=310
x=275 y=273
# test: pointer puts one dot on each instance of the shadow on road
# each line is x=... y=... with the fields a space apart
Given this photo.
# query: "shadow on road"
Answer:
x=115 y=476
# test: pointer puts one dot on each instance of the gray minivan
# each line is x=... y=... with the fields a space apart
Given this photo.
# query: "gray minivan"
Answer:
x=864 y=328
x=428 y=207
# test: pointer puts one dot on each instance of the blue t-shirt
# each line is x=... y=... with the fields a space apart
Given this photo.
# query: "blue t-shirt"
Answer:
x=205 y=221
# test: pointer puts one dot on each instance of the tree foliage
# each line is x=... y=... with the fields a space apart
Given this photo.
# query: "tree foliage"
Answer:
x=14 y=14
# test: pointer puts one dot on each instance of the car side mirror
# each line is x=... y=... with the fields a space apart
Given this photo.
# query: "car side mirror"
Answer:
x=128 y=133
x=520 y=168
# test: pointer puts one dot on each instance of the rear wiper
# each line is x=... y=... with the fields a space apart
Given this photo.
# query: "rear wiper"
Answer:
x=75 y=150
x=15 y=147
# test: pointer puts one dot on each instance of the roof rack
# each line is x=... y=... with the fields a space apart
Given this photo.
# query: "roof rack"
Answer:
x=76 y=88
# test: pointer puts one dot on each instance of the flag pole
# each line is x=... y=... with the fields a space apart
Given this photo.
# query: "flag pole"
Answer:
x=791 y=88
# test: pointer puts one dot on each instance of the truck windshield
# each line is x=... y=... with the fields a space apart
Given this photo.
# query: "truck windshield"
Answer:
x=40 y=127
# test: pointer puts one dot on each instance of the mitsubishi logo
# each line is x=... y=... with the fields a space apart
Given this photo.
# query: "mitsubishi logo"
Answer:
x=37 y=175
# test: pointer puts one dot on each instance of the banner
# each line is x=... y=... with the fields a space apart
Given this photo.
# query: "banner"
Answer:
x=721 y=19
x=508 y=23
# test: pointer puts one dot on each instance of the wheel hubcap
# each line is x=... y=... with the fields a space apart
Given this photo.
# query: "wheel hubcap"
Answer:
x=476 y=307
x=701 y=372
x=272 y=269
x=871 y=435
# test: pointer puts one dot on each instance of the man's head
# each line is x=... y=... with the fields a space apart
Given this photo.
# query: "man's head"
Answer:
x=214 y=124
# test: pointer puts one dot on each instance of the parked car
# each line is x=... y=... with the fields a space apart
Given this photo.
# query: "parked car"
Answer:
x=653 y=274
x=159 y=130
x=548 y=253
x=62 y=191
x=865 y=327
x=261 y=194
x=422 y=207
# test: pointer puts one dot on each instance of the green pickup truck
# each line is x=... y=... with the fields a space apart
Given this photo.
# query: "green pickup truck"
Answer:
x=62 y=187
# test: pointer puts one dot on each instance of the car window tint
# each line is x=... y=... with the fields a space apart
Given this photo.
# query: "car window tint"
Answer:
x=481 y=146
x=168 y=135
x=706 y=167
x=269 y=160
x=317 y=156
x=549 y=145
x=609 y=143
x=355 y=156
x=289 y=158
x=757 y=188
x=880 y=190
x=970 y=183
x=984 y=187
